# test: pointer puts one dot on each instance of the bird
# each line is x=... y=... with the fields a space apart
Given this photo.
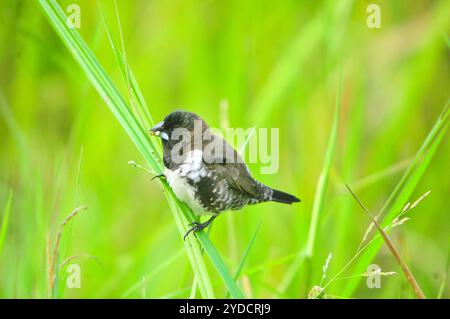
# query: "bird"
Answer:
x=209 y=182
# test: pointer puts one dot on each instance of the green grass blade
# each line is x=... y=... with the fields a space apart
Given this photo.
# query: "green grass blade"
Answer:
x=286 y=70
x=291 y=64
x=5 y=221
x=445 y=274
x=321 y=189
x=403 y=192
x=153 y=273
x=246 y=254
x=319 y=198
x=134 y=92
x=116 y=103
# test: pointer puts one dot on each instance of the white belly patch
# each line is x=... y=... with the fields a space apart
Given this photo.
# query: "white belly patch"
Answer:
x=191 y=169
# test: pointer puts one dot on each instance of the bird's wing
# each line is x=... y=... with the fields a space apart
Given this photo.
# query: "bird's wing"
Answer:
x=231 y=166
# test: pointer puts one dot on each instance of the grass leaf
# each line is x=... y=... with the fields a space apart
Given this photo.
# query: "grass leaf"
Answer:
x=403 y=191
x=319 y=198
x=409 y=276
x=5 y=221
x=135 y=130
x=321 y=189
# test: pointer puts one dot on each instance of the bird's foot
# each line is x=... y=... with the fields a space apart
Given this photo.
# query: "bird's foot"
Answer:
x=160 y=176
x=196 y=226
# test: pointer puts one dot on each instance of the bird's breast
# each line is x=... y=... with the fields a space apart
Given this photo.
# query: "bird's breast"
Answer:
x=184 y=178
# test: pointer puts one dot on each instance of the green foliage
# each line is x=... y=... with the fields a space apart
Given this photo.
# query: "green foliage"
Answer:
x=277 y=65
x=5 y=221
x=129 y=122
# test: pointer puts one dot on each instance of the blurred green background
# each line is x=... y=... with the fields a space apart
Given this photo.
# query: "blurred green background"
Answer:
x=277 y=64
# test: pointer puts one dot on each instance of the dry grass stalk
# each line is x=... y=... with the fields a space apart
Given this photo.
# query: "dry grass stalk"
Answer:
x=52 y=258
x=392 y=248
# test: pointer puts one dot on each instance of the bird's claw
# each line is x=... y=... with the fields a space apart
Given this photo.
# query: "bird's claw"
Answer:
x=195 y=227
x=194 y=223
x=160 y=176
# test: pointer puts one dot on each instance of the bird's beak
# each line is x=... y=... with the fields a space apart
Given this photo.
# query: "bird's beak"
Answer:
x=157 y=130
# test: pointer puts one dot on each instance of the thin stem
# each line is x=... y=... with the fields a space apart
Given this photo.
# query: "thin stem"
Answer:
x=394 y=251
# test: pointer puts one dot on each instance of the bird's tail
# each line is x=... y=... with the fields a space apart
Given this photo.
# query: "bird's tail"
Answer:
x=282 y=197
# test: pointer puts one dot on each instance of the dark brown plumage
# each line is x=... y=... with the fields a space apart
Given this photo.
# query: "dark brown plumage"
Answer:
x=209 y=182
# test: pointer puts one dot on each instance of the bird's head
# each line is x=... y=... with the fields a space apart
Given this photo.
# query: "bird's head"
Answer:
x=173 y=121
